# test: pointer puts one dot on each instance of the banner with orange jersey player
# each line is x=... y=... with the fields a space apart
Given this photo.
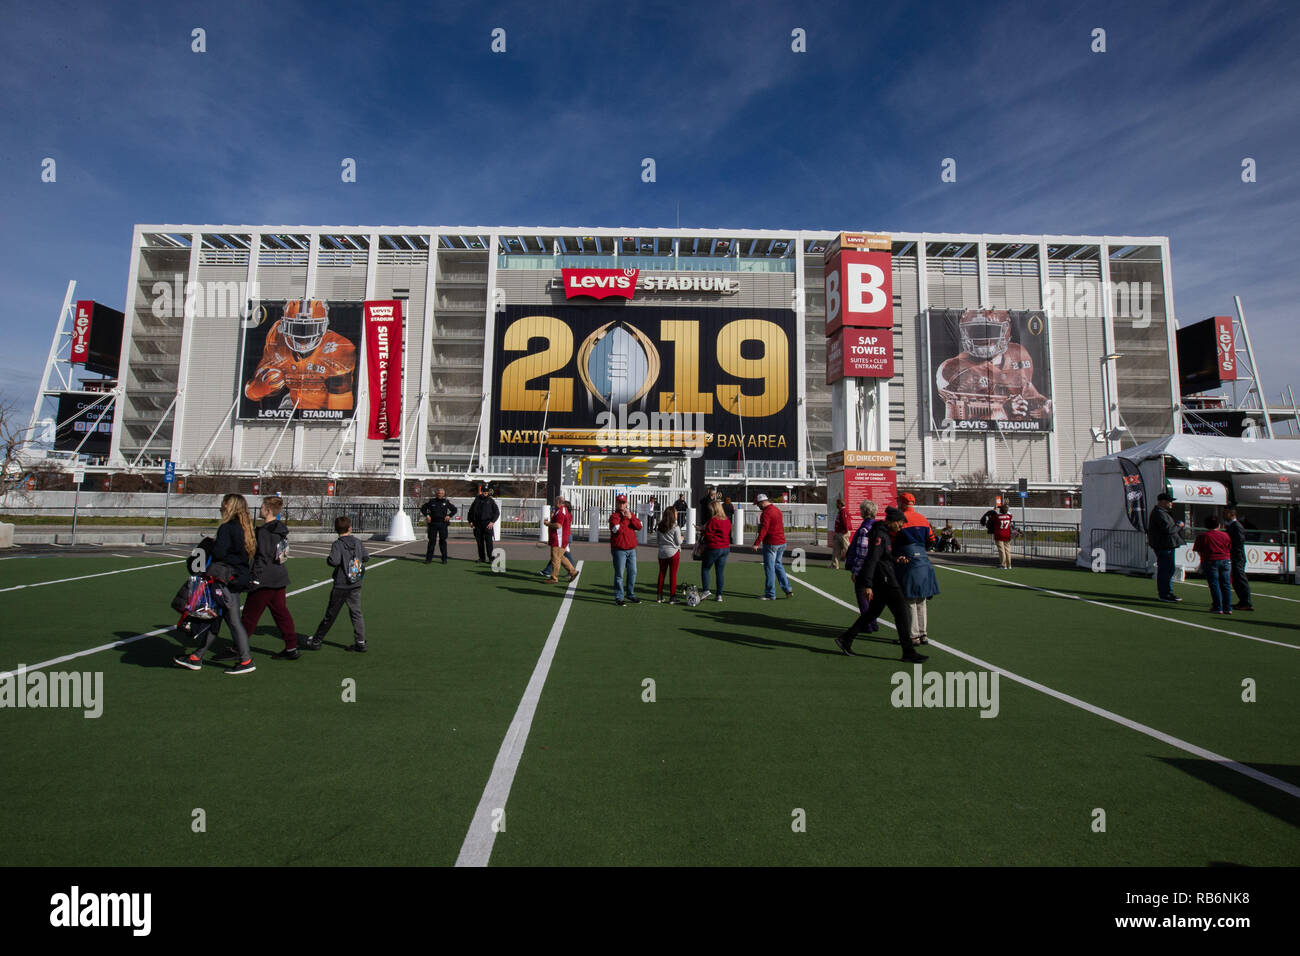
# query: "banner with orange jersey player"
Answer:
x=990 y=370
x=300 y=361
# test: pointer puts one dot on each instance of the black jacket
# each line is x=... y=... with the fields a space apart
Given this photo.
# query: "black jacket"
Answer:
x=1162 y=531
x=483 y=510
x=877 y=570
x=440 y=510
x=229 y=549
x=1237 y=532
x=267 y=572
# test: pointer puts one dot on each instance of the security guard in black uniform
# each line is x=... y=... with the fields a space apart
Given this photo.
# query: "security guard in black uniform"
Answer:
x=483 y=515
x=438 y=512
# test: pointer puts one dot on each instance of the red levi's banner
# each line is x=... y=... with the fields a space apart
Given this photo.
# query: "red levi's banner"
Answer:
x=383 y=323
x=1226 y=345
x=81 y=331
x=600 y=283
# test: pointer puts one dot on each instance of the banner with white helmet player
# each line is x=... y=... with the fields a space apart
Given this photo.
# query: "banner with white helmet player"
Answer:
x=384 y=367
x=300 y=353
x=990 y=370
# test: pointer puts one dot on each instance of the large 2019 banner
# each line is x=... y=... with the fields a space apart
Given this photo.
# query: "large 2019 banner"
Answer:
x=607 y=377
x=300 y=362
x=990 y=370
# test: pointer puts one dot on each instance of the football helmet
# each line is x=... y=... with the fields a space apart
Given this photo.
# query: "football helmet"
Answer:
x=985 y=333
x=304 y=324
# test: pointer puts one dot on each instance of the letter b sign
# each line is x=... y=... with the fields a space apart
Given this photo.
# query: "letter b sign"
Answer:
x=859 y=291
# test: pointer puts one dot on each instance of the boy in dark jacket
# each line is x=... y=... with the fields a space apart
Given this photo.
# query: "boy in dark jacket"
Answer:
x=271 y=579
x=345 y=551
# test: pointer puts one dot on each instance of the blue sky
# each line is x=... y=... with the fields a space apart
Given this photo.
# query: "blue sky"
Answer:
x=1145 y=139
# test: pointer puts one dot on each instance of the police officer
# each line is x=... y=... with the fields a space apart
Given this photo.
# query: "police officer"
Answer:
x=483 y=515
x=438 y=512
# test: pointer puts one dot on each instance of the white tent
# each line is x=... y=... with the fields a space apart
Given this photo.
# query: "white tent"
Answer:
x=1105 y=528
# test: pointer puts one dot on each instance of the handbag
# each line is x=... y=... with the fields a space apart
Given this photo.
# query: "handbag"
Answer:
x=698 y=553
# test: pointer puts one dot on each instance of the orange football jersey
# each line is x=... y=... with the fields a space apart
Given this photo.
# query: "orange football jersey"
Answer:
x=999 y=389
x=319 y=380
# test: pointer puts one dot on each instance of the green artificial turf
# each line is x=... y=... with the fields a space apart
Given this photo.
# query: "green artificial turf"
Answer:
x=756 y=717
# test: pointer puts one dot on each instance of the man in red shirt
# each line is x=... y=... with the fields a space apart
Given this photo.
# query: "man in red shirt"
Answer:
x=840 y=536
x=623 y=526
x=771 y=541
x=1002 y=523
x=1215 y=548
x=561 y=524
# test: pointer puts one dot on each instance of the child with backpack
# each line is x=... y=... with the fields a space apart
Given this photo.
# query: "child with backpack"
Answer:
x=348 y=558
x=228 y=573
x=271 y=579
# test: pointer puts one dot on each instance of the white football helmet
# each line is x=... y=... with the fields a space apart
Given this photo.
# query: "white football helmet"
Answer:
x=985 y=333
x=304 y=324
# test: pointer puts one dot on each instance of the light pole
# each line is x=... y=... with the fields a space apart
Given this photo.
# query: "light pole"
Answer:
x=1105 y=395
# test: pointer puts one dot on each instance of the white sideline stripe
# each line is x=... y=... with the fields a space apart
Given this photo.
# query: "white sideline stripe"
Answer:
x=1253 y=592
x=477 y=848
x=1241 y=768
x=154 y=633
x=1116 y=607
x=84 y=577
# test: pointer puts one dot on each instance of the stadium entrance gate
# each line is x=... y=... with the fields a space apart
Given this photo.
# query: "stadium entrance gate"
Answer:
x=582 y=497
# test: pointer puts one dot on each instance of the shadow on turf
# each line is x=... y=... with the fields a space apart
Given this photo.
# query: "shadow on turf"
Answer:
x=1151 y=603
x=764 y=643
x=1283 y=806
x=160 y=649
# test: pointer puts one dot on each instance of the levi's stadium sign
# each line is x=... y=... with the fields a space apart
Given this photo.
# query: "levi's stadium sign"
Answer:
x=624 y=283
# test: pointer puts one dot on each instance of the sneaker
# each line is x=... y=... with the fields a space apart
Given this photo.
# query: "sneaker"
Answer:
x=633 y=599
x=1168 y=599
x=844 y=647
x=718 y=598
x=358 y=647
x=243 y=667
x=705 y=594
x=310 y=643
x=190 y=661
x=227 y=657
x=790 y=593
x=288 y=654
x=619 y=601
x=1243 y=607
x=573 y=578
x=659 y=600
x=766 y=598
x=542 y=574
x=915 y=658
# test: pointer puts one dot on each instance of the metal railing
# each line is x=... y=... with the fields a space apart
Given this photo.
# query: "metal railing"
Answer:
x=1035 y=540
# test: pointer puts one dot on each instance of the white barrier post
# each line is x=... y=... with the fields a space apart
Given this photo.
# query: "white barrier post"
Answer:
x=542 y=535
x=690 y=526
x=738 y=527
x=593 y=524
x=643 y=535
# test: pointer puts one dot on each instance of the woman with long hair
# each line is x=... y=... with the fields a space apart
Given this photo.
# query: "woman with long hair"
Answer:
x=670 y=552
x=717 y=546
x=230 y=568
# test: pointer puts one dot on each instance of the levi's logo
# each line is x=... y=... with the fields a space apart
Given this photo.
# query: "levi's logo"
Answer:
x=600 y=283
x=381 y=311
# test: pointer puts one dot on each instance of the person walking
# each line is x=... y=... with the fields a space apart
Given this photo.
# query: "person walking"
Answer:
x=716 y=535
x=1235 y=530
x=438 y=512
x=1002 y=525
x=1215 y=548
x=623 y=526
x=840 y=535
x=560 y=525
x=270 y=579
x=230 y=570
x=483 y=516
x=669 y=539
x=856 y=556
x=878 y=586
x=348 y=558
x=771 y=541
x=1165 y=536
x=915 y=572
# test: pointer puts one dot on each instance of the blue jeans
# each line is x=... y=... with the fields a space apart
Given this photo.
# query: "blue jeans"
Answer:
x=712 y=557
x=1218 y=577
x=1165 y=573
x=774 y=570
x=624 y=567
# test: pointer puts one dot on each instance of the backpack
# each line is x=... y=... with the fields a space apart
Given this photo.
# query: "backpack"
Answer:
x=281 y=550
x=353 y=568
x=195 y=599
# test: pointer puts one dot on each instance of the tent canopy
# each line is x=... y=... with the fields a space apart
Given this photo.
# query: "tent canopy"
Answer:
x=1274 y=456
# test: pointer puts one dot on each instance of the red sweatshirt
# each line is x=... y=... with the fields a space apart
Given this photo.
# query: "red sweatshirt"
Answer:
x=559 y=537
x=622 y=532
x=771 y=528
x=717 y=534
x=1213 y=545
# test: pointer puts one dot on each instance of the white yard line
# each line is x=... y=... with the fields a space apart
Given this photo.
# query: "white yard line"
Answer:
x=84 y=577
x=477 y=848
x=1116 y=607
x=161 y=630
x=1241 y=768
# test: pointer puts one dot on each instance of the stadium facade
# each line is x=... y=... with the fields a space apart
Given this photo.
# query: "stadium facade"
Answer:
x=732 y=321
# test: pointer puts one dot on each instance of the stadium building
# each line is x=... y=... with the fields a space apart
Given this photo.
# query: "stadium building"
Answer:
x=628 y=352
